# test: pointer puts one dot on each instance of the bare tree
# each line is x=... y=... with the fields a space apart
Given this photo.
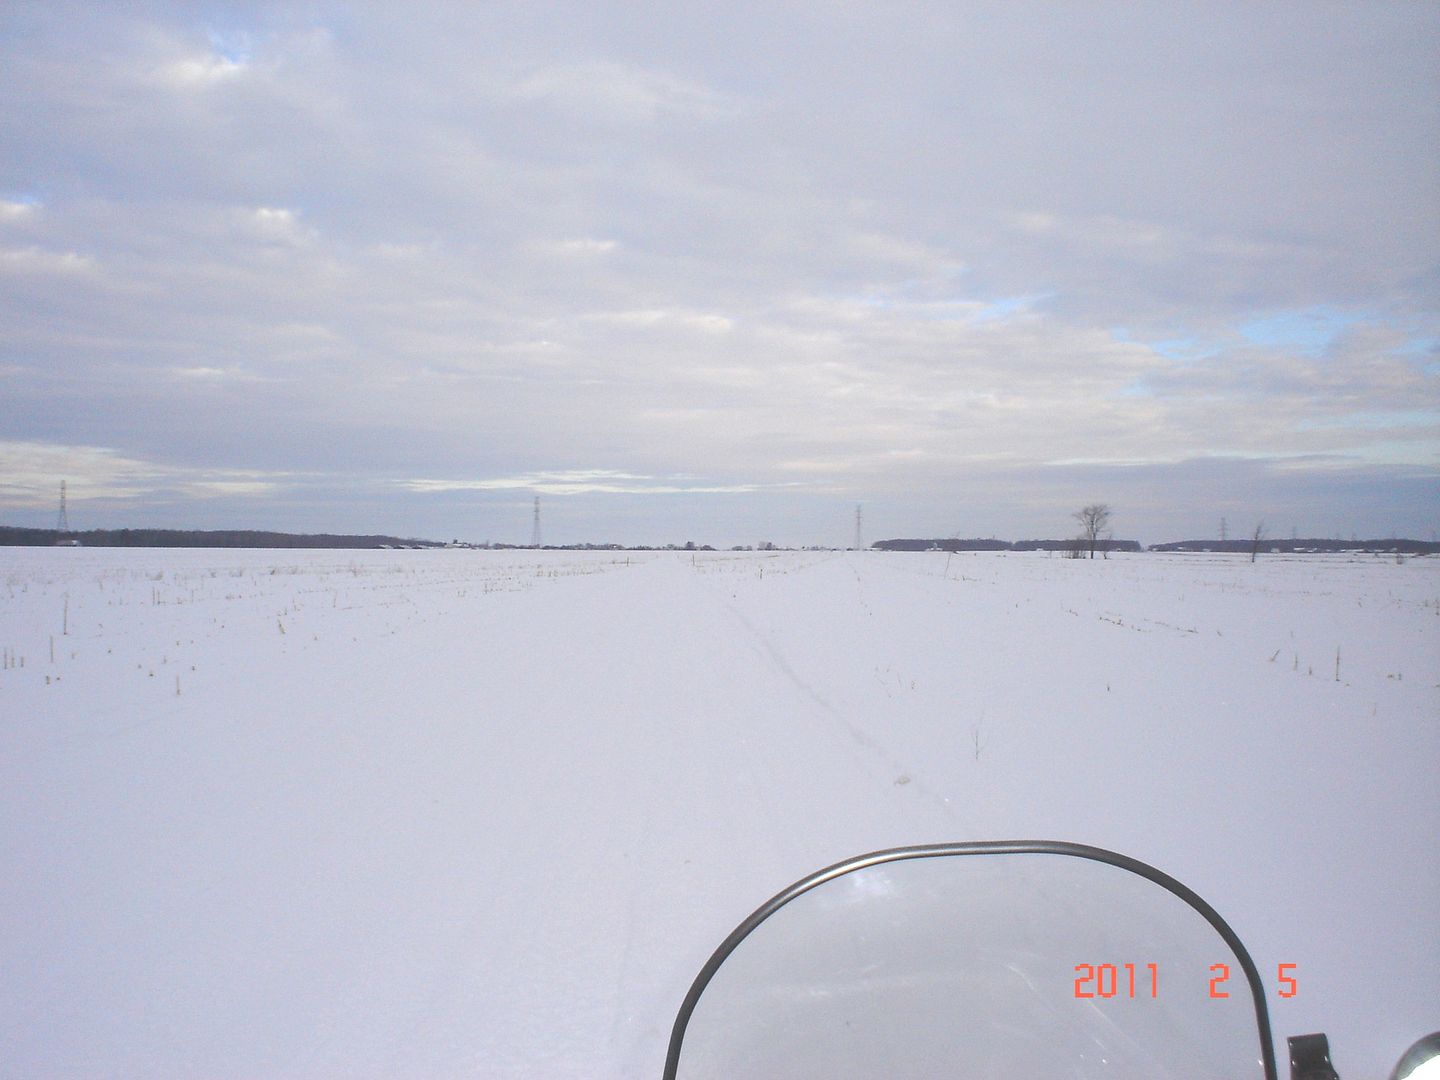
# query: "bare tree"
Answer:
x=1256 y=539
x=1093 y=520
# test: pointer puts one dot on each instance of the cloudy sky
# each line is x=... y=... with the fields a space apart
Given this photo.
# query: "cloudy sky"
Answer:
x=721 y=272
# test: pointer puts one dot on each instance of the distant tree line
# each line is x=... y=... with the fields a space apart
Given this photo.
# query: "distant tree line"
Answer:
x=942 y=545
x=954 y=544
x=1302 y=547
x=1241 y=547
x=11 y=536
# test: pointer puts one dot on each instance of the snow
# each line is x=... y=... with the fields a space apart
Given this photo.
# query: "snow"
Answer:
x=480 y=813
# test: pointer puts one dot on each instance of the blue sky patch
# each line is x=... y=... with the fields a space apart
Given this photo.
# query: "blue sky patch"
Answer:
x=1306 y=330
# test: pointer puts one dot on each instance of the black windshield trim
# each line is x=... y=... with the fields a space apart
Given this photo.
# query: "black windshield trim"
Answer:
x=982 y=847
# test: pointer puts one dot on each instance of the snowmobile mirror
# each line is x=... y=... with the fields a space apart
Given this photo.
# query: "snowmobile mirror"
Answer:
x=1421 y=1061
x=984 y=960
x=1310 y=1058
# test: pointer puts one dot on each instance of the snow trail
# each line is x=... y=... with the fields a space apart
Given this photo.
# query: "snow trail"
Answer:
x=487 y=813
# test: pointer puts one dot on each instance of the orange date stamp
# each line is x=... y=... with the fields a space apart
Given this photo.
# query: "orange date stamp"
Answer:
x=1143 y=981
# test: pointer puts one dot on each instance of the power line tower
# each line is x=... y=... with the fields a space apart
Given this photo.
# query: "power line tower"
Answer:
x=62 y=524
x=859 y=542
x=1224 y=530
x=535 y=529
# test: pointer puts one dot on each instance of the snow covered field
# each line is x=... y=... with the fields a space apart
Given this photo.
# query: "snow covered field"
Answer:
x=474 y=813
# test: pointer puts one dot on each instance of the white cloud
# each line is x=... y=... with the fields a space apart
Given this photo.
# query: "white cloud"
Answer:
x=279 y=225
x=218 y=376
x=200 y=72
x=895 y=251
x=406 y=252
x=34 y=260
x=220 y=489
x=30 y=475
x=704 y=322
x=1121 y=235
x=580 y=247
x=623 y=93
x=12 y=211
x=580 y=482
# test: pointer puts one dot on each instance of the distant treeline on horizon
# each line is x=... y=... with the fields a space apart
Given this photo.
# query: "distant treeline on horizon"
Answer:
x=1245 y=547
x=13 y=536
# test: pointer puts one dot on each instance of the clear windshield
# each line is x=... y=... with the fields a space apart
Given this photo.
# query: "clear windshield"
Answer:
x=995 y=966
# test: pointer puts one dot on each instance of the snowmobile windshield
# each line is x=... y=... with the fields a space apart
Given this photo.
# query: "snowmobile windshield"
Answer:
x=982 y=961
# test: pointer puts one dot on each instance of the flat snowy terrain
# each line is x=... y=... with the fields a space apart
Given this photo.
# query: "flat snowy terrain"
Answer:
x=474 y=813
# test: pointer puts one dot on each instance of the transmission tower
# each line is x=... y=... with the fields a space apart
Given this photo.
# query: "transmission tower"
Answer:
x=535 y=529
x=63 y=522
x=859 y=542
x=1224 y=530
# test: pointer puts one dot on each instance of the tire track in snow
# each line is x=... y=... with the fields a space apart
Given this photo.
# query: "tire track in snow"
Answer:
x=862 y=739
